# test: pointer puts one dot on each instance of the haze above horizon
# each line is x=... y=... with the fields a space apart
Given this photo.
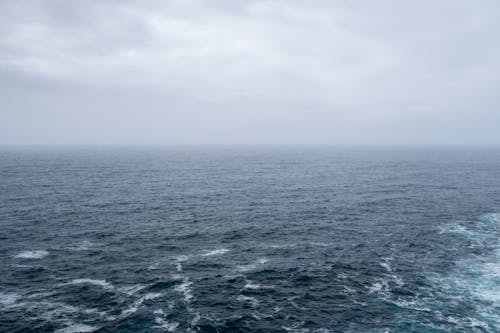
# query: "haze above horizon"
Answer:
x=249 y=72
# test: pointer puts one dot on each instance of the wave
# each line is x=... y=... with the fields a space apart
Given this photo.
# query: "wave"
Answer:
x=77 y=328
x=33 y=254
x=252 y=300
x=8 y=299
x=39 y=308
x=252 y=266
x=137 y=304
x=84 y=246
x=100 y=283
x=164 y=324
x=476 y=278
x=185 y=289
x=215 y=252
x=254 y=286
x=130 y=290
x=250 y=285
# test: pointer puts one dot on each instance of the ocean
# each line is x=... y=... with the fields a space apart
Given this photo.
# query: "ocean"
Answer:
x=249 y=239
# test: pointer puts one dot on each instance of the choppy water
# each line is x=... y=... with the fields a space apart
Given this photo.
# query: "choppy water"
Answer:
x=250 y=240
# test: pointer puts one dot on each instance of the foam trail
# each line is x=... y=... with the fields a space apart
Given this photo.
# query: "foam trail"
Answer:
x=135 y=306
x=130 y=290
x=35 y=254
x=185 y=289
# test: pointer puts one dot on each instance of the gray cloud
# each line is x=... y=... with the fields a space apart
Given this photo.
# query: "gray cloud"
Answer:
x=330 y=72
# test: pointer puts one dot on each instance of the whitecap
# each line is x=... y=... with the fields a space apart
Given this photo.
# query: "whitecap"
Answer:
x=492 y=217
x=77 y=328
x=150 y=296
x=320 y=244
x=84 y=246
x=182 y=258
x=185 y=289
x=8 y=299
x=250 y=285
x=179 y=260
x=130 y=290
x=251 y=267
x=34 y=254
x=196 y=319
x=153 y=266
x=100 y=283
x=159 y=312
x=215 y=252
x=253 y=301
x=282 y=246
x=135 y=306
x=169 y=326
x=386 y=264
x=379 y=286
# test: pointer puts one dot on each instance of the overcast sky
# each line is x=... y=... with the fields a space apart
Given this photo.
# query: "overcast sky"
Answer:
x=252 y=72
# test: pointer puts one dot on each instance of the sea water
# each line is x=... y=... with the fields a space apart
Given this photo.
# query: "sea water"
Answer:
x=249 y=239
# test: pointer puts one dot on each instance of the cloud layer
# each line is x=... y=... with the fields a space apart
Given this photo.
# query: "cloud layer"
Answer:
x=170 y=72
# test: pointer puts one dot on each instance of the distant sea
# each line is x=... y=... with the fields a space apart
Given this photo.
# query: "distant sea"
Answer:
x=249 y=239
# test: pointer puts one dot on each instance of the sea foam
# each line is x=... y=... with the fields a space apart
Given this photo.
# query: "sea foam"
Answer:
x=215 y=252
x=34 y=254
x=77 y=328
x=100 y=283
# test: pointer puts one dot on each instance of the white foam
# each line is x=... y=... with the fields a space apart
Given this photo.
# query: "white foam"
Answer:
x=35 y=254
x=77 y=328
x=182 y=258
x=493 y=217
x=169 y=326
x=8 y=299
x=320 y=244
x=397 y=279
x=282 y=246
x=159 y=312
x=135 y=306
x=215 y=252
x=349 y=290
x=250 y=285
x=179 y=260
x=100 y=283
x=386 y=264
x=153 y=266
x=150 y=296
x=130 y=290
x=253 y=301
x=185 y=289
x=84 y=246
x=379 y=286
x=410 y=304
x=196 y=319
x=251 y=267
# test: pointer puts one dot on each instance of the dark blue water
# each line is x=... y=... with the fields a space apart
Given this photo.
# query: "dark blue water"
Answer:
x=250 y=240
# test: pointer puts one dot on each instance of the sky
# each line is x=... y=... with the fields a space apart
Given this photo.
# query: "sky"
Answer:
x=356 y=72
